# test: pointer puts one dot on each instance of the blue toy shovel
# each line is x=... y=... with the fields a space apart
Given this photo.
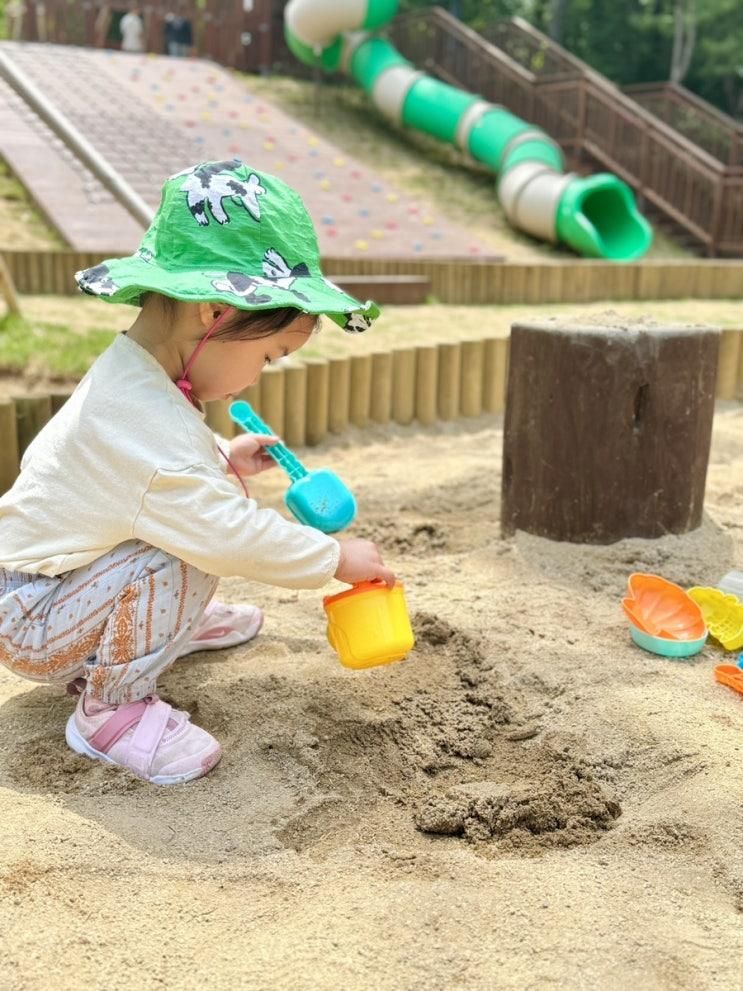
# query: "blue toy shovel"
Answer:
x=317 y=498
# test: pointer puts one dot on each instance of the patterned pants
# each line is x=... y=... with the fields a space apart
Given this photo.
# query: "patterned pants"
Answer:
x=118 y=622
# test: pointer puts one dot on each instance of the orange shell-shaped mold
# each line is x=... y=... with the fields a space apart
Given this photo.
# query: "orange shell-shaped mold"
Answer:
x=662 y=609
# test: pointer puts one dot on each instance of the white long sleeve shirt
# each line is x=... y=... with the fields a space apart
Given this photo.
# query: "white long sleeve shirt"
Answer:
x=128 y=457
x=132 y=33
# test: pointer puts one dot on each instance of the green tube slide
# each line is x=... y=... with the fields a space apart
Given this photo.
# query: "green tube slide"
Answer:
x=595 y=215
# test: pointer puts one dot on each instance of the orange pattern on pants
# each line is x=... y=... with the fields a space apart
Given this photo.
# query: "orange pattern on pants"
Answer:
x=119 y=622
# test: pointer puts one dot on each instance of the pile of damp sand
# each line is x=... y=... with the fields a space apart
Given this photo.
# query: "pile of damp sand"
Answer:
x=527 y=800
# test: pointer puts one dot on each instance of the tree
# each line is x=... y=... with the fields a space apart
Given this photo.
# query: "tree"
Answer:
x=635 y=41
x=716 y=71
x=558 y=10
x=476 y=13
x=684 y=38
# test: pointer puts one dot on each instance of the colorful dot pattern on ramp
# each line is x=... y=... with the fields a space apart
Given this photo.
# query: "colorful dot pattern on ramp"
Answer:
x=151 y=116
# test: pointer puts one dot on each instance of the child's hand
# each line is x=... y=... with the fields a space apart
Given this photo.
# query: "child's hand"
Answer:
x=248 y=455
x=360 y=561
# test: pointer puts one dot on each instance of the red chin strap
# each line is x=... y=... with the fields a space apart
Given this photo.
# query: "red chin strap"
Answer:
x=184 y=382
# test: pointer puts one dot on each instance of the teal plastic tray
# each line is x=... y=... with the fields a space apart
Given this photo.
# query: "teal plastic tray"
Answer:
x=666 y=648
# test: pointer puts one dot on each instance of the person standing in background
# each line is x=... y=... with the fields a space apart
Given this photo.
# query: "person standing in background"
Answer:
x=178 y=32
x=132 y=31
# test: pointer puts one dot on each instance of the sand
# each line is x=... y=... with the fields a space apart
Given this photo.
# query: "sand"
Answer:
x=528 y=801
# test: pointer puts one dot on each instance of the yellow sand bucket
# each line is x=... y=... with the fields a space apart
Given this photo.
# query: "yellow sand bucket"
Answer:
x=369 y=625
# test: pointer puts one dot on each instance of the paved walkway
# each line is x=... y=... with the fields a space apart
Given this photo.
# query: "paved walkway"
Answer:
x=152 y=116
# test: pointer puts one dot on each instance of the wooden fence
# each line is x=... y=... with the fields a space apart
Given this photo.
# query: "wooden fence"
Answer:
x=588 y=116
x=465 y=281
x=232 y=32
x=305 y=402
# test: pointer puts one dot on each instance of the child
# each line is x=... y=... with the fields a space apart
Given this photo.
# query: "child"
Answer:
x=123 y=519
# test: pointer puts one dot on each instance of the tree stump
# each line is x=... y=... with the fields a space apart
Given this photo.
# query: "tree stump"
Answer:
x=607 y=430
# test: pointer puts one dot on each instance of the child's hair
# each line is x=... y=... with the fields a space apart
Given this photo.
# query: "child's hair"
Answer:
x=245 y=325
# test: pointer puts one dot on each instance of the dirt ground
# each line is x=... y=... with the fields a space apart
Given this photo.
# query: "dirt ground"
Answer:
x=528 y=801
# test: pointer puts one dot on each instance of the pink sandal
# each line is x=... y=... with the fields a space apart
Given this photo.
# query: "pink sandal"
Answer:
x=149 y=738
x=224 y=626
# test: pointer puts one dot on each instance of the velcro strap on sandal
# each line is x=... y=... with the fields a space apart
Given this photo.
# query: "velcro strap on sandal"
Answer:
x=214 y=633
x=148 y=735
x=114 y=728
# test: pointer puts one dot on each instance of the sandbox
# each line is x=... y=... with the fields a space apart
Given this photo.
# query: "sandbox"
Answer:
x=528 y=799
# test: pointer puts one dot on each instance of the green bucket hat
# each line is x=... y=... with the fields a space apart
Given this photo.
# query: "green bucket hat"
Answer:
x=226 y=232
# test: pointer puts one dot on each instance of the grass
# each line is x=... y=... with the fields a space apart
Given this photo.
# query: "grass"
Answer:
x=21 y=224
x=34 y=348
x=60 y=337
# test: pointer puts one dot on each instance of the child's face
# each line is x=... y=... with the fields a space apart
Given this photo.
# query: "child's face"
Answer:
x=225 y=368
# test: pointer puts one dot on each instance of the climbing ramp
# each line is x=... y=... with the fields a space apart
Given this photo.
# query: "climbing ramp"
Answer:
x=148 y=117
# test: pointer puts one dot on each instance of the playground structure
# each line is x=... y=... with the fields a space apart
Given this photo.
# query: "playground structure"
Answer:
x=231 y=33
x=693 y=184
x=93 y=133
x=682 y=157
x=596 y=215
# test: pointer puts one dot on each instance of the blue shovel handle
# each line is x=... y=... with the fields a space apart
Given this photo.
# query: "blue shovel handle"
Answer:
x=245 y=416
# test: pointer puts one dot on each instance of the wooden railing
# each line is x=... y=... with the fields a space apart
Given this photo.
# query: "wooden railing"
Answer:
x=534 y=51
x=703 y=124
x=433 y=40
x=546 y=85
x=721 y=136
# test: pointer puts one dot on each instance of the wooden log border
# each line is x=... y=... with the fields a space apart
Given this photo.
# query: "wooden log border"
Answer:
x=463 y=281
x=306 y=402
